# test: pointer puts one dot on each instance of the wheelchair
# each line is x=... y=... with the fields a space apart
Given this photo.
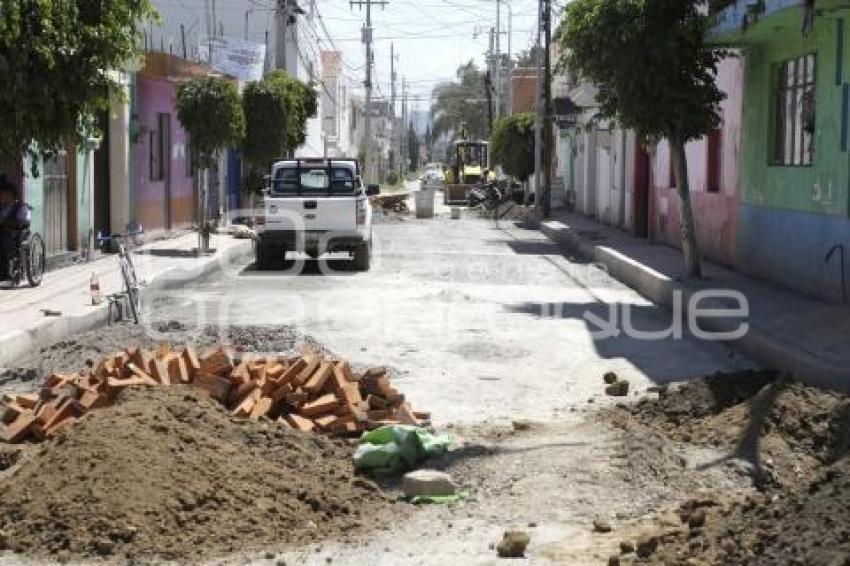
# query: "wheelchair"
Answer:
x=28 y=258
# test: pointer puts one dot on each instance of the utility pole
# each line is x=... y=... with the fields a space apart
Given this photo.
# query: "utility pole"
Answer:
x=497 y=76
x=510 y=63
x=404 y=127
x=392 y=80
x=367 y=39
x=546 y=204
x=282 y=15
x=538 y=121
x=396 y=129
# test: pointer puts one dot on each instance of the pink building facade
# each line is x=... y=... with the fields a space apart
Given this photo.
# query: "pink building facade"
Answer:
x=713 y=174
x=164 y=198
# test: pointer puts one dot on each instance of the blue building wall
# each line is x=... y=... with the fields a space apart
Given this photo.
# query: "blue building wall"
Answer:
x=790 y=247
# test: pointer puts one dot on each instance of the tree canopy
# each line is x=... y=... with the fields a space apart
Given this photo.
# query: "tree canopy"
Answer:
x=512 y=145
x=276 y=112
x=211 y=112
x=461 y=103
x=655 y=74
x=55 y=59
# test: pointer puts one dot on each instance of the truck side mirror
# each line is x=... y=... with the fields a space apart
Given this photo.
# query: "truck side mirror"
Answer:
x=373 y=190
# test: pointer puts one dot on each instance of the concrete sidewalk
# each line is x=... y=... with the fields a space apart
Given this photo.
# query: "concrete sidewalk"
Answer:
x=788 y=331
x=162 y=264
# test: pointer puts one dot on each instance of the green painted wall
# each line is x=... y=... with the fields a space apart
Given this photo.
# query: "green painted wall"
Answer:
x=822 y=187
x=34 y=192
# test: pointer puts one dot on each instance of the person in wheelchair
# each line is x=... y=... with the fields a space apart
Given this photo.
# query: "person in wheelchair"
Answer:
x=14 y=220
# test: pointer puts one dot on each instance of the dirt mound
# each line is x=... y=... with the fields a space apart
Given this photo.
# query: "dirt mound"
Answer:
x=804 y=526
x=780 y=433
x=780 y=430
x=166 y=473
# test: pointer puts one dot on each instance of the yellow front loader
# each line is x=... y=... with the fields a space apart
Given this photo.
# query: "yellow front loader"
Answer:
x=471 y=159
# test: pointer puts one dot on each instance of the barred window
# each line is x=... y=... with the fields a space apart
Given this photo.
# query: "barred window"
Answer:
x=794 y=112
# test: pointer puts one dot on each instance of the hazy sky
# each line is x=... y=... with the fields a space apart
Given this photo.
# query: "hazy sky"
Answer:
x=431 y=37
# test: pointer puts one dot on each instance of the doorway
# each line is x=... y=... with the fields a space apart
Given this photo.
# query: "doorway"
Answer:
x=101 y=222
x=641 y=202
x=164 y=124
x=56 y=203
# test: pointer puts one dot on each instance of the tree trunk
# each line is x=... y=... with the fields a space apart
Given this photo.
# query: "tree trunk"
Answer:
x=686 y=215
x=202 y=208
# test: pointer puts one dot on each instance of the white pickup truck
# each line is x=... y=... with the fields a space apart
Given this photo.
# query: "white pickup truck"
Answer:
x=315 y=206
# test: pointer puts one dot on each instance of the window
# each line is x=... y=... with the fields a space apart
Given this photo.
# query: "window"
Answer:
x=157 y=147
x=311 y=181
x=713 y=162
x=794 y=112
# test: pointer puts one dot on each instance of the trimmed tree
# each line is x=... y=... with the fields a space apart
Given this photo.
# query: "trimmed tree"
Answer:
x=54 y=58
x=276 y=111
x=211 y=113
x=512 y=145
x=655 y=75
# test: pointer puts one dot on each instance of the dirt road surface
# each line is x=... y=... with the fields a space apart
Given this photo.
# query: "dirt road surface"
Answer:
x=485 y=326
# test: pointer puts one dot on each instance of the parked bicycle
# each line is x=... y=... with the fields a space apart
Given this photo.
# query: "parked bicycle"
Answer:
x=128 y=273
x=26 y=258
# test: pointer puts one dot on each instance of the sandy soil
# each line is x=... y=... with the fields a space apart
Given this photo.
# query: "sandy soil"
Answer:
x=167 y=474
x=788 y=440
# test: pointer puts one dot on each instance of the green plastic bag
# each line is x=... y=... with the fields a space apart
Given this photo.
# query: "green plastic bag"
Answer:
x=440 y=499
x=394 y=449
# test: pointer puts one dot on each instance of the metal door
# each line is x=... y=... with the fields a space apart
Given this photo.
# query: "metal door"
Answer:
x=56 y=203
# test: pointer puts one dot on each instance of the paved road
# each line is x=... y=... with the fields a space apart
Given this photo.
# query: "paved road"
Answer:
x=480 y=322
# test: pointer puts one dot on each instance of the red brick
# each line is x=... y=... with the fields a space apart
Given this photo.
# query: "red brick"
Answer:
x=317 y=381
x=312 y=364
x=262 y=407
x=129 y=382
x=193 y=364
x=18 y=430
x=345 y=367
x=326 y=422
x=178 y=372
x=64 y=424
x=300 y=423
x=296 y=398
x=219 y=362
x=243 y=409
x=217 y=387
x=92 y=400
x=240 y=392
x=159 y=371
x=293 y=371
x=324 y=404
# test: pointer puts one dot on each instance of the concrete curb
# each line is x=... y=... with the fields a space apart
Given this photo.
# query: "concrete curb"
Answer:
x=14 y=346
x=766 y=349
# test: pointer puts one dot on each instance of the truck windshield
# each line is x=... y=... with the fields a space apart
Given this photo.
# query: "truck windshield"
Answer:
x=314 y=181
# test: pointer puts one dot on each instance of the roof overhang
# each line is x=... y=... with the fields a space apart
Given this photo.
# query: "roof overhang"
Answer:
x=749 y=22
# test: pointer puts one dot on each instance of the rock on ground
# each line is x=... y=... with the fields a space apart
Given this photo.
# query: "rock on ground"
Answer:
x=513 y=544
x=429 y=483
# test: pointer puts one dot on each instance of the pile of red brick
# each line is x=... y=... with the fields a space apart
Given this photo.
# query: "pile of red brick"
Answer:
x=312 y=392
